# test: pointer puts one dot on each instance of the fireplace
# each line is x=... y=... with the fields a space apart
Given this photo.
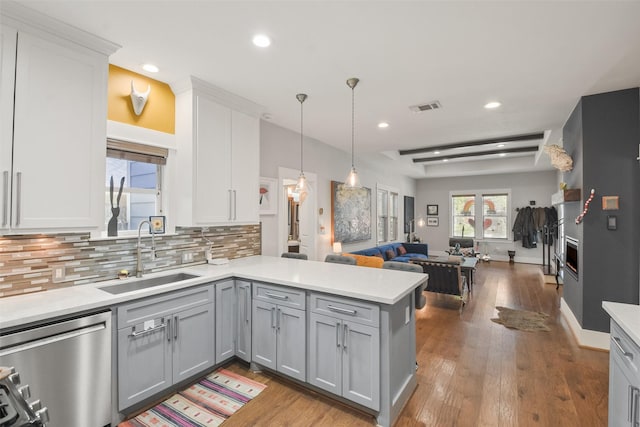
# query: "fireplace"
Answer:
x=571 y=254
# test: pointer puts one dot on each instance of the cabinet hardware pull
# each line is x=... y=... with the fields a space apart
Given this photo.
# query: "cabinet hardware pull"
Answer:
x=278 y=319
x=135 y=333
x=18 y=197
x=276 y=296
x=169 y=329
x=230 y=205
x=175 y=327
x=235 y=206
x=342 y=310
x=246 y=306
x=634 y=418
x=630 y=398
x=5 y=196
x=624 y=352
x=273 y=322
x=345 y=336
x=338 y=334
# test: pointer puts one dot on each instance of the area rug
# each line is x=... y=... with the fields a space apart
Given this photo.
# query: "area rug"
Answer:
x=522 y=320
x=209 y=402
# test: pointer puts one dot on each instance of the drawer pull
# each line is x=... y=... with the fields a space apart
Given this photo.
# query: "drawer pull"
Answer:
x=135 y=333
x=342 y=310
x=276 y=296
x=618 y=344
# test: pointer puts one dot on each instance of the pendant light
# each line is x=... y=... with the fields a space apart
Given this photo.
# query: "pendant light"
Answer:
x=301 y=185
x=352 y=181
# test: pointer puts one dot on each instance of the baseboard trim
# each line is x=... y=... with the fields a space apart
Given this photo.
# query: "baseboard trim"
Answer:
x=585 y=337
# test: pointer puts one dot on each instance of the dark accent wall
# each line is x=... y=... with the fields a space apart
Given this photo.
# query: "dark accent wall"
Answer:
x=602 y=136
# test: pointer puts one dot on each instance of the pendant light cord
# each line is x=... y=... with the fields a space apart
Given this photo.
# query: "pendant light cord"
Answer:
x=301 y=139
x=352 y=125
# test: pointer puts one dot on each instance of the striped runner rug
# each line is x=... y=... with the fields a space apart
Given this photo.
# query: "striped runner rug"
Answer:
x=208 y=402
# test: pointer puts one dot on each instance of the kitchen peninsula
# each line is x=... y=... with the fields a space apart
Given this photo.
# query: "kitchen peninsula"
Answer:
x=357 y=323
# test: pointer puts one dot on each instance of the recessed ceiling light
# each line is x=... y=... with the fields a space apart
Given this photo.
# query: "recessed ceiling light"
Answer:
x=261 y=40
x=503 y=154
x=491 y=105
x=445 y=160
x=150 y=68
x=436 y=152
x=383 y=125
x=500 y=145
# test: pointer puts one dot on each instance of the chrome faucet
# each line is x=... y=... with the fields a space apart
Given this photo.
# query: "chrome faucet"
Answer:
x=153 y=248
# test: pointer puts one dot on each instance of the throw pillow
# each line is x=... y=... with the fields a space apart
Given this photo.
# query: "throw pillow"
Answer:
x=390 y=254
x=401 y=250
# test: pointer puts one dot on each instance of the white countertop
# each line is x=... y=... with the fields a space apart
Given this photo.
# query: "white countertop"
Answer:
x=369 y=284
x=627 y=316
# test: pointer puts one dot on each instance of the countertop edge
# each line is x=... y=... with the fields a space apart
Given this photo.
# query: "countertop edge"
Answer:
x=627 y=316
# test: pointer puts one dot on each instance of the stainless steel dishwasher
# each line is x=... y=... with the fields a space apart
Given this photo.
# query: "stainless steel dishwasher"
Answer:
x=67 y=365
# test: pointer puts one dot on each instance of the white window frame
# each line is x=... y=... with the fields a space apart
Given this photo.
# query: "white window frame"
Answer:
x=479 y=218
x=390 y=192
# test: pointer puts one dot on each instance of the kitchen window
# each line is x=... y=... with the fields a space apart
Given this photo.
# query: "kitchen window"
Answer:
x=141 y=166
x=488 y=208
x=387 y=213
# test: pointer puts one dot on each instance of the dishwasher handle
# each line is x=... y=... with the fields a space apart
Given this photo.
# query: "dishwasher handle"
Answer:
x=52 y=339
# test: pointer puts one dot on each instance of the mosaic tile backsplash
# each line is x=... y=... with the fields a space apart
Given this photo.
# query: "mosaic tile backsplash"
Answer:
x=28 y=262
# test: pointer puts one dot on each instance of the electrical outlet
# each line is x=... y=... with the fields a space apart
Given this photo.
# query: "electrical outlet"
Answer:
x=187 y=257
x=58 y=273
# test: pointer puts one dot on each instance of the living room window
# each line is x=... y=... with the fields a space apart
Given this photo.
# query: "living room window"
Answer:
x=387 y=214
x=493 y=216
x=141 y=167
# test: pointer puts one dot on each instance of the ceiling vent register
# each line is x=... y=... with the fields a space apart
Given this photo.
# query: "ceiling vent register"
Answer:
x=433 y=105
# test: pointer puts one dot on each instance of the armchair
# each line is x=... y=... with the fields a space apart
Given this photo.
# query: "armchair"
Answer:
x=445 y=278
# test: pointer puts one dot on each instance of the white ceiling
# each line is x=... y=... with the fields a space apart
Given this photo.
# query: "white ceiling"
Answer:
x=536 y=57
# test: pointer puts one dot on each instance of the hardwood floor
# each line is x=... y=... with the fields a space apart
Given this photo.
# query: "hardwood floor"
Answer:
x=472 y=372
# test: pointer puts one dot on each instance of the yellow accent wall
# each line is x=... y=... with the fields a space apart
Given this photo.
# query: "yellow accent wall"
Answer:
x=158 y=114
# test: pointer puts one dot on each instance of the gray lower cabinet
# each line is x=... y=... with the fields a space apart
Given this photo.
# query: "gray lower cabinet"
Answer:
x=225 y=320
x=163 y=340
x=243 y=320
x=344 y=349
x=233 y=320
x=624 y=380
x=279 y=329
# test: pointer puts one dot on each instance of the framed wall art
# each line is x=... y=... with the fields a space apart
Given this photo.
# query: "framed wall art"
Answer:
x=268 y=196
x=350 y=213
x=432 y=222
x=432 y=209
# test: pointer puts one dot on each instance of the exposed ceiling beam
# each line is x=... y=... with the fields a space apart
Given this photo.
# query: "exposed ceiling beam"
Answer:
x=515 y=138
x=477 y=154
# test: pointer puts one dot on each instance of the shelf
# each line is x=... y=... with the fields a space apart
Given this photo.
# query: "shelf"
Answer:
x=569 y=195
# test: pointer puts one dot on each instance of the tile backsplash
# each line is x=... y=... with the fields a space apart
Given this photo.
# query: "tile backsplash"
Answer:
x=32 y=263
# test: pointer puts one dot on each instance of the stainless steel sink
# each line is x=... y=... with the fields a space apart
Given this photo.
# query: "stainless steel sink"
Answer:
x=136 y=285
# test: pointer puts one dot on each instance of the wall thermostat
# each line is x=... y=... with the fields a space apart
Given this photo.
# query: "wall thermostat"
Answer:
x=612 y=222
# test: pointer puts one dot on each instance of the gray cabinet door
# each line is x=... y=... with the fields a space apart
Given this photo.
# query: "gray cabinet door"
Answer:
x=361 y=364
x=263 y=338
x=243 y=320
x=144 y=361
x=619 y=393
x=225 y=320
x=291 y=342
x=193 y=341
x=325 y=353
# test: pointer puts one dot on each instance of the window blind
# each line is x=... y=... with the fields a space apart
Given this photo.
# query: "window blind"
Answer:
x=136 y=152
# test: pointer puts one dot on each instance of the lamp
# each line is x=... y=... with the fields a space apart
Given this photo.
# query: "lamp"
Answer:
x=352 y=181
x=301 y=185
x=420 y=222
x=337 y=247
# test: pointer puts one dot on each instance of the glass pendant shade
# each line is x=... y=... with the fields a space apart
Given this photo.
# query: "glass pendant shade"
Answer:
x=353 y=180
x=302 y=188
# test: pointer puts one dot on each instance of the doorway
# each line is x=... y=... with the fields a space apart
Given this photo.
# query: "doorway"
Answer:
x=297 y=225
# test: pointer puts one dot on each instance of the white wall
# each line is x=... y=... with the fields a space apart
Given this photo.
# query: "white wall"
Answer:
x=280 y=147
x=536 y=186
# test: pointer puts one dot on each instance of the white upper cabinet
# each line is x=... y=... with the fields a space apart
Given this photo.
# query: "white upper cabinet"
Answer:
x=52 y=163
x=218 y=156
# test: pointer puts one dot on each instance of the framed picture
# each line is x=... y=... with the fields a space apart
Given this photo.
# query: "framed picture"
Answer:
x=432 y=222
x=350 y=213
x=432 y=209
x=268 y=196
x=156 y=224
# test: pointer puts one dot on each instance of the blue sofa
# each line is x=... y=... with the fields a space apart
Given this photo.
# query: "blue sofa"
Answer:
x=414 y=250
